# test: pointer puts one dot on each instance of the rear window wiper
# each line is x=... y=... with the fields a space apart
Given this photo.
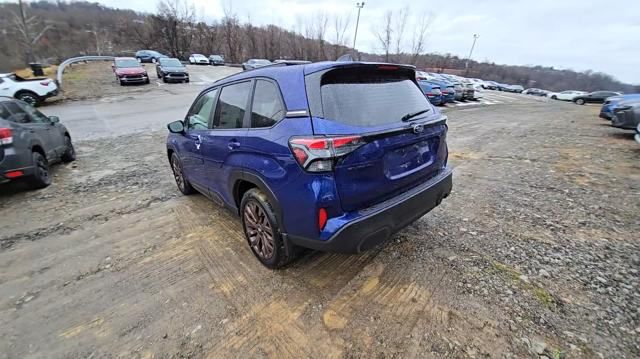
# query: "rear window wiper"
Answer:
x=411 y=115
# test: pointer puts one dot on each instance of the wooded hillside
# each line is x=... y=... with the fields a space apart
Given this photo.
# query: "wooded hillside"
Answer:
x=53 y=31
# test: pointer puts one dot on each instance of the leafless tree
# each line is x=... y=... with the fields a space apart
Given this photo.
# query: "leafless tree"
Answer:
x=385 y=33
x=399 y=24
x=340 y=25
x=176 y=19
x=232 y=34
x=30 y=28
x=420 y=36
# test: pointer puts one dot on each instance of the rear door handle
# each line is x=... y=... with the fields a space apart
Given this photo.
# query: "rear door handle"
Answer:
x=233 y=143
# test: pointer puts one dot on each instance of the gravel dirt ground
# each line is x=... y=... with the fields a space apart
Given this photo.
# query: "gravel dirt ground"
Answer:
x=535 y=254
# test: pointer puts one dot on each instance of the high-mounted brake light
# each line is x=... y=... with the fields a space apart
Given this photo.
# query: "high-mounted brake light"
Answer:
x=6 y=136
x=318 y=154
x=387 y=67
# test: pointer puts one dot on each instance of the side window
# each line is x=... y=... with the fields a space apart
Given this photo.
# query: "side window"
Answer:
x=267 y=108
x=4 y=113
x=16 y=113
x=232 y=106
x=200 y=113
x=36 y=116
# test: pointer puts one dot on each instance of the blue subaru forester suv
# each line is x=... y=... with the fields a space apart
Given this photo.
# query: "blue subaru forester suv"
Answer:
x=333 y=156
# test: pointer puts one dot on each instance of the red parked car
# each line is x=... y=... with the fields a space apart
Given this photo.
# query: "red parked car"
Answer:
x=128 y=71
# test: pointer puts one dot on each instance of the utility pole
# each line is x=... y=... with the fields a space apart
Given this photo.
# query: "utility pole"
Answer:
x=475 y=37
x=359 y=6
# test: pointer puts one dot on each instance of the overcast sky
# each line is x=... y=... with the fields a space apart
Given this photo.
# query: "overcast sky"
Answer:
x=575 y=34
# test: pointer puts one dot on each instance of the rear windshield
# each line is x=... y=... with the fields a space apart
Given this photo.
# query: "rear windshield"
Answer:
x=369 y=96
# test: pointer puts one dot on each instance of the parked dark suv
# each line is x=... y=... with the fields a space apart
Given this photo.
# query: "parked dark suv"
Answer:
x=30 y=142
x=334 y=156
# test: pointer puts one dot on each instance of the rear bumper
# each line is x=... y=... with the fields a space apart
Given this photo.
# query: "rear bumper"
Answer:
x=51 y=93
x=376 y=224
x=625 y=120
x=12 y=162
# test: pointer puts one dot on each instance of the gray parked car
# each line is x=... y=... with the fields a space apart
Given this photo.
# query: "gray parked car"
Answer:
x=627 y=115
x=30 y=142
x=171 y=70
x=255 y=63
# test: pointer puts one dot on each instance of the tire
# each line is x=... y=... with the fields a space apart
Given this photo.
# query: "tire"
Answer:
x=164 y=79
x=29 y=97
x=580 y=101
x=554 y=97
x=183 y=185
x=41 y=177
x=153 y=60
x=187 y=80
x=70 y=153
x=262 y=231
x=147 y=82
x=121 y=83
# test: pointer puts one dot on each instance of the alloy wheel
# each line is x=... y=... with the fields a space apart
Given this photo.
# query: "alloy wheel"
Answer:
x=29 y=98
x=259 y=230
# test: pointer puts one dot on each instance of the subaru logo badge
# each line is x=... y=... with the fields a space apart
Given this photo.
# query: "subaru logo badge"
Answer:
x=417 y=128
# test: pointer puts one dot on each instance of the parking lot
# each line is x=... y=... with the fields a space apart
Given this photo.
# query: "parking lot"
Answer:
x=535 y=253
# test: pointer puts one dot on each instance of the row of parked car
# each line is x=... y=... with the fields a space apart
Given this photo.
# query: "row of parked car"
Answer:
x=441 y=89
x=152 y=56
x=623 y=111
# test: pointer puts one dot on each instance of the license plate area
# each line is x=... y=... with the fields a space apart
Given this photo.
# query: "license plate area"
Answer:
x=407 y=160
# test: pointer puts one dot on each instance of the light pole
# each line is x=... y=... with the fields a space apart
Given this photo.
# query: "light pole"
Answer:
x=475 y=37
x=97 y=41
x=359 y=6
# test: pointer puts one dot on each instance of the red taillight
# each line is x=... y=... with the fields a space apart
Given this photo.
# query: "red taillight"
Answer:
x=317 y=154
x=6 y=136
x=14 y=174
x=322 y=218
x=45 y=83
x=387 y=67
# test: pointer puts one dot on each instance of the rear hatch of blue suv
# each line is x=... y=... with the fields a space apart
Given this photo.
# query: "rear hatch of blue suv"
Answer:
x=384 y=147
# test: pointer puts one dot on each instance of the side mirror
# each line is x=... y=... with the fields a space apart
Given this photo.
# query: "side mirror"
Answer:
x=176 y=127
x=54 y=119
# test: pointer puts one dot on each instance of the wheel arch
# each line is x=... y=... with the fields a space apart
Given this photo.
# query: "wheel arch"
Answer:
x=242 y=181
x=36 y=147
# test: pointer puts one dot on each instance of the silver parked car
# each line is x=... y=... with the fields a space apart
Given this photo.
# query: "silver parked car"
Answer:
x=255 y=63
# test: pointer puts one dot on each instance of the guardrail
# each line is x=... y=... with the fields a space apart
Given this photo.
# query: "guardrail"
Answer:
x=78 y=59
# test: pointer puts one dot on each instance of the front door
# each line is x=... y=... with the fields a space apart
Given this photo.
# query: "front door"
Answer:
x=197 y=126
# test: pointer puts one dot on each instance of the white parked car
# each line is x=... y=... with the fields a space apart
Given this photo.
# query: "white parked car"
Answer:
x=198 y=59
x=565 y=95
x=31 y=91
